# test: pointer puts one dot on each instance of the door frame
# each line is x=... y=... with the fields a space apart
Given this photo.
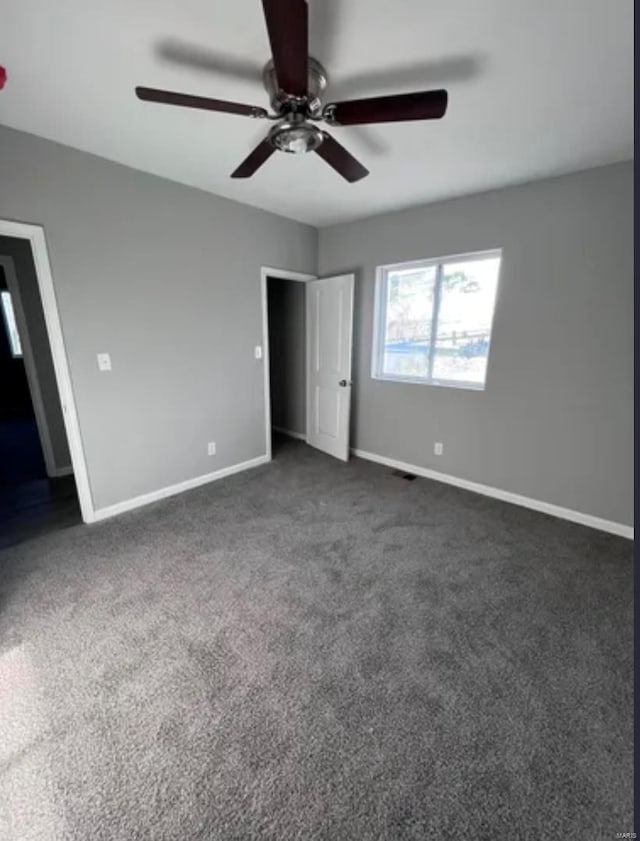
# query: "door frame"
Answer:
x=279 y=274
x=34 y=234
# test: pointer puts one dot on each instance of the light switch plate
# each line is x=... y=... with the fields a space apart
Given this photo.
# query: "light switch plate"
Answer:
x=104 y=362
x=258 y=351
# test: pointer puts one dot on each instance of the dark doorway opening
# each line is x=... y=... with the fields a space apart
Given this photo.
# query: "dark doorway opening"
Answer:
x=37 y=488
x=286 y=308
x=21 y=457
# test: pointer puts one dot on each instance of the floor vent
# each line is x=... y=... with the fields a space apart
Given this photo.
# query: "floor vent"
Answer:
x=402 y=475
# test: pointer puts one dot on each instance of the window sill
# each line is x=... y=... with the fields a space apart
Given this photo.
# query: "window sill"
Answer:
x=460 y=386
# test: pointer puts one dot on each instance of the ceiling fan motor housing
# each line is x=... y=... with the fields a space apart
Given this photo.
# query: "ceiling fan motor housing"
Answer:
x=284 y=103
x=293 y=134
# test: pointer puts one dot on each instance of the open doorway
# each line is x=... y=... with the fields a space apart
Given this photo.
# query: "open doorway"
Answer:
x=37 y=488
x=307 y=327
x=21 y=454
x=287 y=358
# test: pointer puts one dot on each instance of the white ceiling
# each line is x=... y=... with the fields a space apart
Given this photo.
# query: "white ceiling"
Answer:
x=536 y=88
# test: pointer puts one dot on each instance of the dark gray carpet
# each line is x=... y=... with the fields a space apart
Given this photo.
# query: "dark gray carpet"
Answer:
x=314 y=650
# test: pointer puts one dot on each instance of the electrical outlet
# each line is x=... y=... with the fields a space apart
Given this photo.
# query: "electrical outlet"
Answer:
x=104 y=362
x=211 y=448
x=438 y=448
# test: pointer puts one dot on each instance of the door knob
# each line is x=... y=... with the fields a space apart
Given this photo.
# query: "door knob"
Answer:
x=344 y=383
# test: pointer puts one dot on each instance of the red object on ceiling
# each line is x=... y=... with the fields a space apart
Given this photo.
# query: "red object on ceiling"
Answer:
x=3 y=77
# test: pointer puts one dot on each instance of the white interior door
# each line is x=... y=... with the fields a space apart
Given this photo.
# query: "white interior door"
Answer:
x=329 y=334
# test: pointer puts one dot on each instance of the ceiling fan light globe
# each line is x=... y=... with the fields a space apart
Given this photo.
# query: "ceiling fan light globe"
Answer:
x=295 y=139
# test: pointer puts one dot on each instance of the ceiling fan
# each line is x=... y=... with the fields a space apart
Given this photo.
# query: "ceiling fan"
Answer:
x=296 y=83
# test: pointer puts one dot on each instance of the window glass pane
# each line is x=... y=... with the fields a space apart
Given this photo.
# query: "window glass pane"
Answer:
x=10 y=324
x=464 y=320
x=409 y=310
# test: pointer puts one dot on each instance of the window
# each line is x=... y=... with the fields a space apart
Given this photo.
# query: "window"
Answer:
x=11 y=326
x=433 y=320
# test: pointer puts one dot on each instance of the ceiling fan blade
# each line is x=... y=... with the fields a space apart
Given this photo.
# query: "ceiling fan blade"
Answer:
x=288 y=28
x=423 y=105
x=342 y=161
x=254 y=161
x=189 y=101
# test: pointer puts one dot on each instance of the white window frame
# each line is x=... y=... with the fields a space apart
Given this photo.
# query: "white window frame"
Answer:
x=380 y=313
x=11 y=325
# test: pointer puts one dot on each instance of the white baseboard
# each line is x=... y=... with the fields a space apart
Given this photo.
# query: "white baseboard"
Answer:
x=299 y=435
x=506 y=496
x=172 y=490
x=58 y=472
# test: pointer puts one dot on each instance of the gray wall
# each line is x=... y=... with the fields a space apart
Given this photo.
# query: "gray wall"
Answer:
x=556 y=419
x=287 y=354
x=20 y=253
x=167 y=280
